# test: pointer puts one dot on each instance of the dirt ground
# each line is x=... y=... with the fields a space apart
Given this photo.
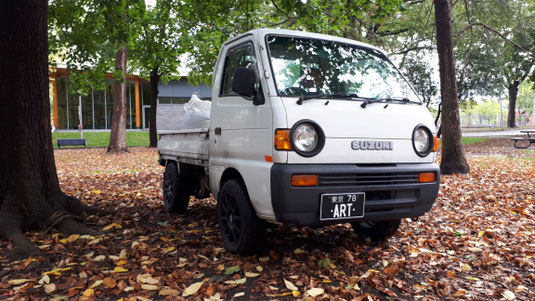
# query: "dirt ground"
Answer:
x=476 y=243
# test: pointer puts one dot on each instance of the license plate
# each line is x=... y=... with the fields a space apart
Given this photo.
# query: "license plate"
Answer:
x=342 y=205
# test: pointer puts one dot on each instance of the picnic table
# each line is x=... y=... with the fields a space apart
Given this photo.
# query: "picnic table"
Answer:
x=524 y=142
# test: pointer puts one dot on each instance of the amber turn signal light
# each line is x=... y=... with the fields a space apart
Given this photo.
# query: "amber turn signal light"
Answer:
x=426 y=177
x=282 y=140
x=304 y=180
x=436 y=143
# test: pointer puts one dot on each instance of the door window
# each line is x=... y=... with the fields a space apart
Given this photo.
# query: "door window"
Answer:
x=239 y=56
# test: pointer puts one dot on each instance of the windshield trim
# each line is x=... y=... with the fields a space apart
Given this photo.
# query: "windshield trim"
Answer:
x=362 y=47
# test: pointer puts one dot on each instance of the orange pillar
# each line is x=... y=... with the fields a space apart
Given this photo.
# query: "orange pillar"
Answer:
x=55 y=117
x=138 y=113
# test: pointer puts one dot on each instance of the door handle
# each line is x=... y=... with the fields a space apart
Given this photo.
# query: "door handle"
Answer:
x=217 y=131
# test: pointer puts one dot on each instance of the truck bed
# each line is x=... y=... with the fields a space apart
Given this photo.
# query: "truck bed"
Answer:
x=187 y=146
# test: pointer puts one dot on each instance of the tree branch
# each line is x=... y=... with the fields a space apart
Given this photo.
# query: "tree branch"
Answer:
x=469 y=26
x=405 y=51
x=280 y=10
x=390 y=33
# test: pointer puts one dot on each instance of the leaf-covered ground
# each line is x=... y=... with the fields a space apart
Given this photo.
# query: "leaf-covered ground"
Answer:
x=477 y=243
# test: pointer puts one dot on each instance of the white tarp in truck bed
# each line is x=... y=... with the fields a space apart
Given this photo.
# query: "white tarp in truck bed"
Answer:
x=192 y=115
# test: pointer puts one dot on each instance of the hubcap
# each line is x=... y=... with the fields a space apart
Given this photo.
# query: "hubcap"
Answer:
x=230 y=219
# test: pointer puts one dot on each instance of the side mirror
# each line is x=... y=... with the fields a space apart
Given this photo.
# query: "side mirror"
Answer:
x=243 y=82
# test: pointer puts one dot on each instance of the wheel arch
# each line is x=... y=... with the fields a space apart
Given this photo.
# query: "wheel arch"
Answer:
x=231 y=174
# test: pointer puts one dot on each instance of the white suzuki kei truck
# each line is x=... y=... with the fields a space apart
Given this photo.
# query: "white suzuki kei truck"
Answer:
x=305 y=130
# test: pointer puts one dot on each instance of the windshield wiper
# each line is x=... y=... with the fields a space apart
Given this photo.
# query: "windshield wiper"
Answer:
x=323 y=96
x=368 y=101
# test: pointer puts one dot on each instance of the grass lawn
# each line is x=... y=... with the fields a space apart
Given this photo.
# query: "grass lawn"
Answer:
x=472 y=140
x=102 y=139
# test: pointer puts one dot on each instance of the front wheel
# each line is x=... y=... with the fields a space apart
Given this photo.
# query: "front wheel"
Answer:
x=377 y=230
x=240 y=228
x=176 y=191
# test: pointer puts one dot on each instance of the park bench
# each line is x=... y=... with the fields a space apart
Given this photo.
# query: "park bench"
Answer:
x=70 y=142
x=524 y=142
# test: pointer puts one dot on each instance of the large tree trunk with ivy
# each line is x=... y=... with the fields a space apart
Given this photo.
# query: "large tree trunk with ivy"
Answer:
x=453 y=159
x=118 y=122
x=153 y=135
x=30 y=196
x=513 y=92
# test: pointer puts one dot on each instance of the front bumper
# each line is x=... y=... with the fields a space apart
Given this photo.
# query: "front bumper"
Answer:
x=392 y=191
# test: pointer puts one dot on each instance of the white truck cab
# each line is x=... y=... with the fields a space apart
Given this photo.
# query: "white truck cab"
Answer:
x=305 y=130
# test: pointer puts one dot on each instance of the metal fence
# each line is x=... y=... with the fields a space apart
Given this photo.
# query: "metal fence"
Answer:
x=494 y=120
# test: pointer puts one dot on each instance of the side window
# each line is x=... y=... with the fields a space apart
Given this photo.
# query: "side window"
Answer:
x=238 y=56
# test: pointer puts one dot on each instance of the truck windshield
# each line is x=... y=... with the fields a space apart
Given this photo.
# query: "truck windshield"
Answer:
x=306 y=67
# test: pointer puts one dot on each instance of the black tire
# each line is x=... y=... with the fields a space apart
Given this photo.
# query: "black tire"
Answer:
x=241 y=230
x=176 y=191
x=377 y=230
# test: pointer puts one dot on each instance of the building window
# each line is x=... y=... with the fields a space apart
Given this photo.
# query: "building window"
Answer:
x=173 y=100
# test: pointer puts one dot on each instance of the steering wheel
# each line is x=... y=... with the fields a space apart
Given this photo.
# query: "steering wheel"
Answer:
x=295 y=91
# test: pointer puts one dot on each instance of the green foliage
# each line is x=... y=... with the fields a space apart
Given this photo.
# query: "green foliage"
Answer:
x=419 y=72
x=161 y=42
x=524 y=102
x=220 y=20
x=495 y=41
x=486 y=108
x=86 y=35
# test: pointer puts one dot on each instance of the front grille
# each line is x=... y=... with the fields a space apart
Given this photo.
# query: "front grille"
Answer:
x=367 y=180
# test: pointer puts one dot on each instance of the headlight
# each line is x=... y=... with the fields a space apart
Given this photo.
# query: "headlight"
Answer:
x=422 y=140
x=307 y=138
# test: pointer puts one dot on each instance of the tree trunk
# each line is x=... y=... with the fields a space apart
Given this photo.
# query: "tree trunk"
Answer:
x=513 y=92
x=453 y=160
x=30 y=196
x=154 y=78
x=118 y=121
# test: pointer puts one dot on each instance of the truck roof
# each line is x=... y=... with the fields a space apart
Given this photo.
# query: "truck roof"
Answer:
x=262 y=32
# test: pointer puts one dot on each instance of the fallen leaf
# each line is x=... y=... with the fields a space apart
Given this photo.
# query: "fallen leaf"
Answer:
x=232 y=270
x=57 y=272
x=18 y=281
x=192 y=289
x=112 y=226
x=97 y=283
x=149 y=287
x=99 y=258
x=50 y=288
x=168 y=292
x=251 y=275
x=466 y=267
x=508 y=295
x=44 y=279
x=88 y=292
x=238 y=281
x=109 y=282
x=316 y=291
x=146 y=278
x=240 y=294
x=290 y=285
x=119 y=270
